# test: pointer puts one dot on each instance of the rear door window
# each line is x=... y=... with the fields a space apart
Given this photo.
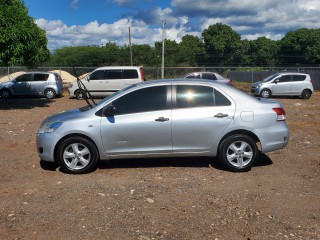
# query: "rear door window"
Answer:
x=298 y=78
x=40 y=77
x=199 y=96
x=207 y=76
x=114 y=74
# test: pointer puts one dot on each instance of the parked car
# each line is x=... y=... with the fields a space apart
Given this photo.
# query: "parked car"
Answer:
x=165 y=118
x=46 y=84
x=105 y=81
x=284 y=84
x=209 y=76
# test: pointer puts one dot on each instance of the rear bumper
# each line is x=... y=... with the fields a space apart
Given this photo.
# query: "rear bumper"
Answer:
x=274 y=137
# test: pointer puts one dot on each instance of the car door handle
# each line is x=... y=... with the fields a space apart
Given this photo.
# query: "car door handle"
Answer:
x=162 y=119
x=221 y=115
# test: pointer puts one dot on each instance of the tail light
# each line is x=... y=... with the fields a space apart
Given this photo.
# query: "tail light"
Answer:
x=141 y=74
x=230 y=82
x=311 y=82
x=281 y=114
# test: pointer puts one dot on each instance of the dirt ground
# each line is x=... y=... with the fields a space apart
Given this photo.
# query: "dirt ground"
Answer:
x=185 y=198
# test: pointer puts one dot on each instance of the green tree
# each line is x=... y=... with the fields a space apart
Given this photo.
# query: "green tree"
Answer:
x=221 y=43
x=192 y=51
x=264 y=51
x=22 y=42
x=300 y=47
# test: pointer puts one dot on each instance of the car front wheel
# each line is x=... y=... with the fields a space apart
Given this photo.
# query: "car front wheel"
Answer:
x=5 y=94
x=238 y=153
x=77 y=155
x=265 y=93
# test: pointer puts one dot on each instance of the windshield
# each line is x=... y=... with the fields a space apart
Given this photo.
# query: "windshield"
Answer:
x=271 y=77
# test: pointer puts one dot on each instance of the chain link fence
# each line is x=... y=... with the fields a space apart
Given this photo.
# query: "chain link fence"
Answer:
x=248 y=74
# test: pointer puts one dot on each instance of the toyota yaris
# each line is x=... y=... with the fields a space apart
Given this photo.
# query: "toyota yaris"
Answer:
x=165 y=118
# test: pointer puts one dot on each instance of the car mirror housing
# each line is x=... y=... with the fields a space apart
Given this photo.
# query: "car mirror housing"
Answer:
x=109 y=110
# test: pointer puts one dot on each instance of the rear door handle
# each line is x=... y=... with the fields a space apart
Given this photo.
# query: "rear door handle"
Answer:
x=221 y=115
x=161 y=119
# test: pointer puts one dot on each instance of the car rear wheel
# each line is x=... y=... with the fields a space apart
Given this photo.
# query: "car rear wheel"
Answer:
x=238 y=152
x=50 y=93
x=80 y=94
x=306 y=94
x=265 y=93
x=77 y=155
x=5 y=93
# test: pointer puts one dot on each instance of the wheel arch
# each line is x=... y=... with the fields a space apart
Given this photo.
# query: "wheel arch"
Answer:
x=69 y=136
x=241 y=132
x=6 y=88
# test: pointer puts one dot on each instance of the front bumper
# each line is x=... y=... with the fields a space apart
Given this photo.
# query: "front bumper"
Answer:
x=46 y=143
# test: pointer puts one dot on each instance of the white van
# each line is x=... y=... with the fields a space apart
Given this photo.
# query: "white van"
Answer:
x=105 y=81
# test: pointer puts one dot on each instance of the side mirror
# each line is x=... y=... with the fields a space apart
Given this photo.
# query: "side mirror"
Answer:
x=109 y=111
x=276 y=81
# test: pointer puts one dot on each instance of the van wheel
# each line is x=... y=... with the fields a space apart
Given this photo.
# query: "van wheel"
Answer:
x=80 y=94
x=238 y=152
x=265 y=93
x=50 y=93
x=77 y=155
x=306 y=94
x=5 y=93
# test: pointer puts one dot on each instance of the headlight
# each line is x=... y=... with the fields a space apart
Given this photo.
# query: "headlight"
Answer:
x=50 y=127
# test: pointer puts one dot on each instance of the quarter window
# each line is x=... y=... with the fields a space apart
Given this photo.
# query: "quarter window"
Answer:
x=130 y=74
x=142 y=100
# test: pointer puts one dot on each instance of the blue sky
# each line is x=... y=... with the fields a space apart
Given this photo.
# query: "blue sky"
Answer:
x=85 y=22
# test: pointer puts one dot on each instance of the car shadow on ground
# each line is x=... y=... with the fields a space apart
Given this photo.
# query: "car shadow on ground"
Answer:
x=186 y=162
x=24 y=103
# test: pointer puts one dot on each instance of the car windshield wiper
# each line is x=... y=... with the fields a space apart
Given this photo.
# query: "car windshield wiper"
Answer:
x=83 y=88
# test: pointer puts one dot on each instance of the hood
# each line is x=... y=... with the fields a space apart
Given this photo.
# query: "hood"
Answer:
x=6 y=83
x=64 y=116
x=256 y=83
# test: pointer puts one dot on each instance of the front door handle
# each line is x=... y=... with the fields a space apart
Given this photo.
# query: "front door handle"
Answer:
x=162 y=119
x=221 y=115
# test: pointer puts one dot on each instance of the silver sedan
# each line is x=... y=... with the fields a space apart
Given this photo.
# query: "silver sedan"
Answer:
x=166 y=118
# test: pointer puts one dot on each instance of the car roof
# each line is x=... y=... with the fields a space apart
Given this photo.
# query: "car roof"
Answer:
x=180 y=80
x=117 y=67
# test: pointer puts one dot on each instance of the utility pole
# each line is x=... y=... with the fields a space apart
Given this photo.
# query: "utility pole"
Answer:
x=162 y=65
x=130 y=46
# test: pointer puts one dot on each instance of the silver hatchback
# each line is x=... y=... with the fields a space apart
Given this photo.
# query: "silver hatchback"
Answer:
x=47 y=84
x=284 y=84
x=165 y=118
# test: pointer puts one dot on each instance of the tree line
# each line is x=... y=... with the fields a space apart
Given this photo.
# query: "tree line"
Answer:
x=22 y=42
x=219 y=46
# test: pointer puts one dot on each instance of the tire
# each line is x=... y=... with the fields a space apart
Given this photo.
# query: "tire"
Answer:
x=80 y=94
x=50 y=93
x=306 y=94
x=77 y=155
x=5 y=94
x=238 y=153
x=265 y=93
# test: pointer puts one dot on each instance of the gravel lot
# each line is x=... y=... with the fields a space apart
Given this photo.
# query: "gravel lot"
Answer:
x=185 y=198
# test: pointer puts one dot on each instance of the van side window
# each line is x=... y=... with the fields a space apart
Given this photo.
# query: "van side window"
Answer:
x=40 y=77
x=114 y=74
x=97 y=75
x=130 y=74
